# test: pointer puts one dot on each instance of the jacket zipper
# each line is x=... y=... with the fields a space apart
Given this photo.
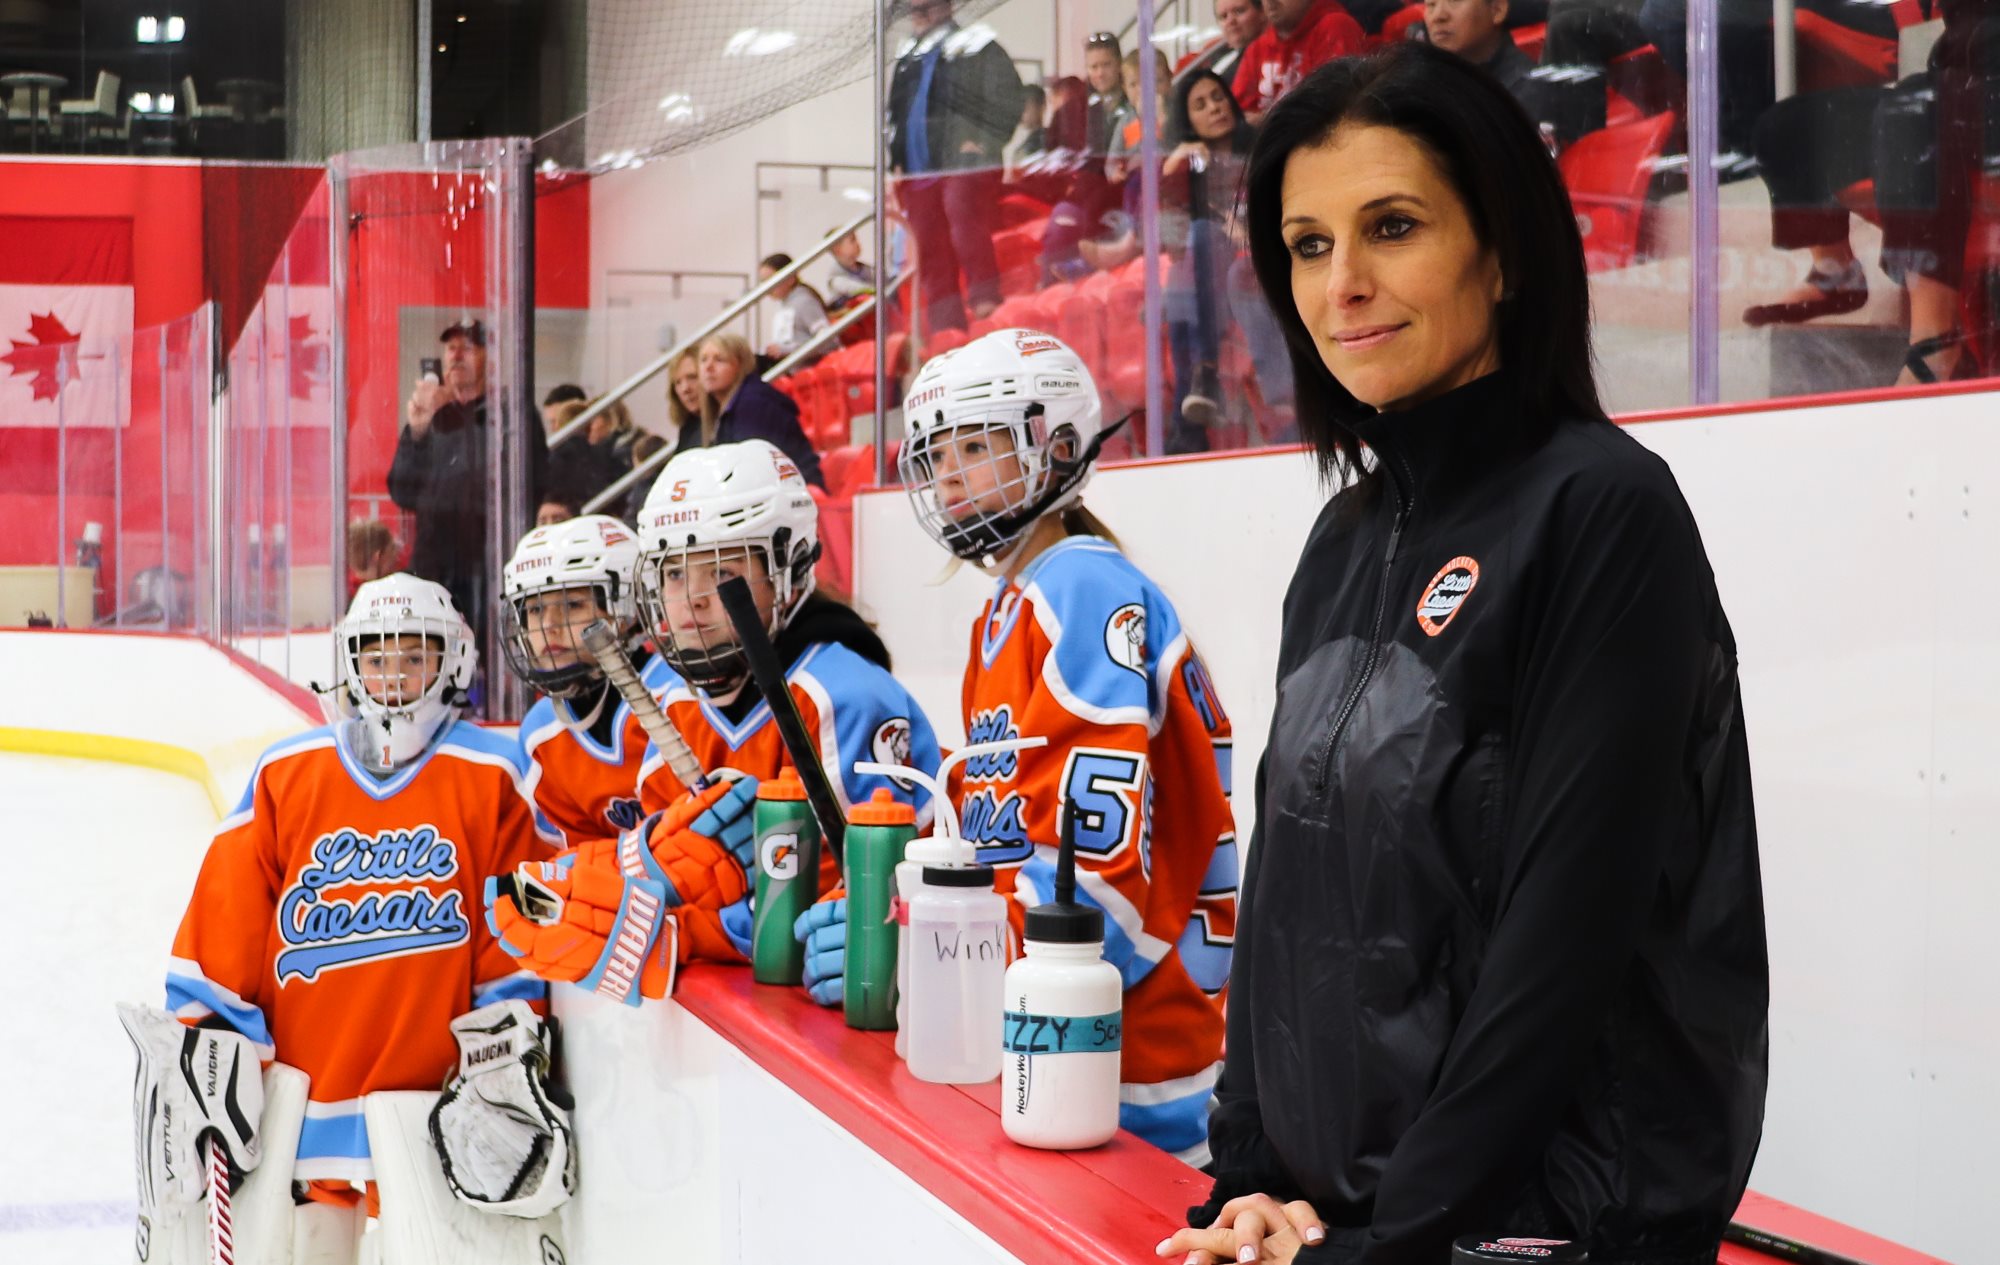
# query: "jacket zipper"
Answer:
x=1374 y=655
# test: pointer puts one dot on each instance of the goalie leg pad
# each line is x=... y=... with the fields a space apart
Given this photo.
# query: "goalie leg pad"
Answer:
x=422 y=1222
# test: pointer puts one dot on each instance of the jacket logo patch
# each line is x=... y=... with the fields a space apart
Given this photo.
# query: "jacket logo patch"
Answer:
x=1445 y=593
x=891 y=745
x=1125 y=637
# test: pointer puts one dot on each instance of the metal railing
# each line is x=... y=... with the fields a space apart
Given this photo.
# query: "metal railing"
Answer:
x=611 y=495
x=654 y=367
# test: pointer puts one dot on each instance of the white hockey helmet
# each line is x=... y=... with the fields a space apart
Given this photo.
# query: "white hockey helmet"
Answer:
x=708 y=507
x=543 y=641
x=421 y=688
x=1024 y=382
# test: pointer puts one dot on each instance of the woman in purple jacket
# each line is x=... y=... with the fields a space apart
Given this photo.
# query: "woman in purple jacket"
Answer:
x=738 y=405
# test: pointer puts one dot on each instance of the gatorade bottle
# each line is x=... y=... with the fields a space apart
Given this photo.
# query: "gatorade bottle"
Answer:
x=787 y=877
x=877 y=833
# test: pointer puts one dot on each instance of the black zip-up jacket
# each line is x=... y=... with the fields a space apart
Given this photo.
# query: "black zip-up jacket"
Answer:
x=1500 y=964
x=975 y=96
x=440 y=477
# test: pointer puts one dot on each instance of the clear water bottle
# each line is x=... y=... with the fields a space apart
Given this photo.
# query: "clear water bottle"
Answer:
x=958 y=956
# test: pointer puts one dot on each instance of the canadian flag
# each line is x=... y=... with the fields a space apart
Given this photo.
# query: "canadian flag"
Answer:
x=65 y=321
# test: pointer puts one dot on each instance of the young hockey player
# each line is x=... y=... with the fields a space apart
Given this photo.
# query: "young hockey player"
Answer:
x=583 y=742
x=335 y=927
x=1078 y=646
x=743 y=509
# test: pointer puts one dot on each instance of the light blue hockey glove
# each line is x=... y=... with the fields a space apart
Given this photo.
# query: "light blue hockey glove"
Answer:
x=823 y=930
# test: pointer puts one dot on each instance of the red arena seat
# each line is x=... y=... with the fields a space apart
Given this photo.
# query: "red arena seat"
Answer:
x=1608 y=172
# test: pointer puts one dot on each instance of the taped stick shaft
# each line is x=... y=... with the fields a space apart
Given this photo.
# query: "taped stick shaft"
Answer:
x=770 y=679
x=221 y=1234
x=603 y=645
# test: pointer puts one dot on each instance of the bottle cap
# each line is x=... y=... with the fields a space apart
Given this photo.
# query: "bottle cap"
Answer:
x=1480 y=1249
x=940 y=850
x=958 y=876
x=785 y=786
x=882 y=809
x=1064 y=920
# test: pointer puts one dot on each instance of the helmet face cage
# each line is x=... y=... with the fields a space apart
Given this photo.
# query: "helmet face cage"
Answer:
x=680 y=597
x=543 y=633
x=402 y=678
x=970 y=480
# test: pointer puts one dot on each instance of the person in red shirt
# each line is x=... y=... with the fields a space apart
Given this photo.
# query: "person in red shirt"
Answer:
x=1303 y=35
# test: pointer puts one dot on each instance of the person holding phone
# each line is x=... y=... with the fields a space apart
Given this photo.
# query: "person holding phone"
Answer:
x=438 y=473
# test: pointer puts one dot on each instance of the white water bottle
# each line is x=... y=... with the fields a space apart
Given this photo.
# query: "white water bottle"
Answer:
x=942 y=847
x=1062 y=1022
x=942 y=850
x=958 y=956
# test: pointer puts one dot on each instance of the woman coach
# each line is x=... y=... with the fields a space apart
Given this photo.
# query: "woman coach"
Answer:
x=1500 y=966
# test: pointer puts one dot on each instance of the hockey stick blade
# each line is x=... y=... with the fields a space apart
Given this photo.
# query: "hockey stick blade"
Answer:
x=603 y=645
x=770 y=679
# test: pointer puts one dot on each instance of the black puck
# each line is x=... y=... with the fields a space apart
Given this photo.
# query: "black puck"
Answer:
x=1479 y=1249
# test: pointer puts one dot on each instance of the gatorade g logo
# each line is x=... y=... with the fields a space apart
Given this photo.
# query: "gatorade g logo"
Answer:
x=1445 y=593
x=779 y=856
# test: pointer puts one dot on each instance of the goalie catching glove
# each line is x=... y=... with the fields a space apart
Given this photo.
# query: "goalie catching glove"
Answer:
x=195 y=1087
x=619 y=916
x=501 y=1134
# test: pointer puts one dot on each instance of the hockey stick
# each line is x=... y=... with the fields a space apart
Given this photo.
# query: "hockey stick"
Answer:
x=770 y=679
x=603 y=645
x=1783 y=1248
x=221 y=1236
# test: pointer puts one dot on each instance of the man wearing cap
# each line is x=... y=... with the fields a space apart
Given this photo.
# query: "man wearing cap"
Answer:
x=439 y=472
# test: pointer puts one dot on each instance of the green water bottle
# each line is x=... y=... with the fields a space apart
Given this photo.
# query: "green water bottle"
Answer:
x=787 y=877
x=877 y=833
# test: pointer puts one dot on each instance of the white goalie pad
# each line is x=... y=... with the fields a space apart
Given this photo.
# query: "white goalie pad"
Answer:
x=422 y=1222
x=261 y=1207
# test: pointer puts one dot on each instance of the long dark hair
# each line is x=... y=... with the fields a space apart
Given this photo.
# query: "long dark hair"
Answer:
x=1181 y=128
x=1494 y=158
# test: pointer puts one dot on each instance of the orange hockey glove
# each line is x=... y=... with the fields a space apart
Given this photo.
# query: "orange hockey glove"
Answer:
x=586 y=922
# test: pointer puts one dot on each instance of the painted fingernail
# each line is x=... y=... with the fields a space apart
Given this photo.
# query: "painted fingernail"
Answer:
x=1246 y=1253
x=1192 y=1258
x=1165 y=1243
x=1315 y=1235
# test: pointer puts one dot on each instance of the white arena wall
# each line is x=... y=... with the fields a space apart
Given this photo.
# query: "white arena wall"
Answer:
x=1852 y=544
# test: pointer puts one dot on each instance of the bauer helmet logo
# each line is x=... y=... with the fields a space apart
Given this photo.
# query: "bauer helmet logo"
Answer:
x=1047 y=384
x=1125 y=637
x=1446 y=593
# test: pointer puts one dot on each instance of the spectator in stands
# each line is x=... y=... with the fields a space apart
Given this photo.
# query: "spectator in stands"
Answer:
x=1303 y=35
x=953 y=102
x=684 y=392
x=738 y=405
x=1119 y=243
x=558 y=396
x=643 y=449
x=586 y=464
x=372 y=551
x=801 y=312
x=1200 y=181
x=1240 y=22
x=439 y=472
x=851 y=280
x=1474 y=30
x=1030 y=133
x=1925 y=160
x=555 y=510
x=1109 y=107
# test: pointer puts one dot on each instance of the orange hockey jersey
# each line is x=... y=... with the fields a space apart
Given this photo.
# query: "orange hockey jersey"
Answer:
x=1084 y=650
x=853 y=709
x=583 y=788
x=337 y=921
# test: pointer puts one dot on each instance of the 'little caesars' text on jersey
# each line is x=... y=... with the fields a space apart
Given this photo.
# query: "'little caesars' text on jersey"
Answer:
x=335 y=922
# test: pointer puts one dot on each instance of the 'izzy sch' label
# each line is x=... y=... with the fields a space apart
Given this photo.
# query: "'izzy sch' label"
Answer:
x=1023 y=1033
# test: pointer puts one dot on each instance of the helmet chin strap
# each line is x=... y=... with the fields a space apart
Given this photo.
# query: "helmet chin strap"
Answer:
x=1010 y=527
